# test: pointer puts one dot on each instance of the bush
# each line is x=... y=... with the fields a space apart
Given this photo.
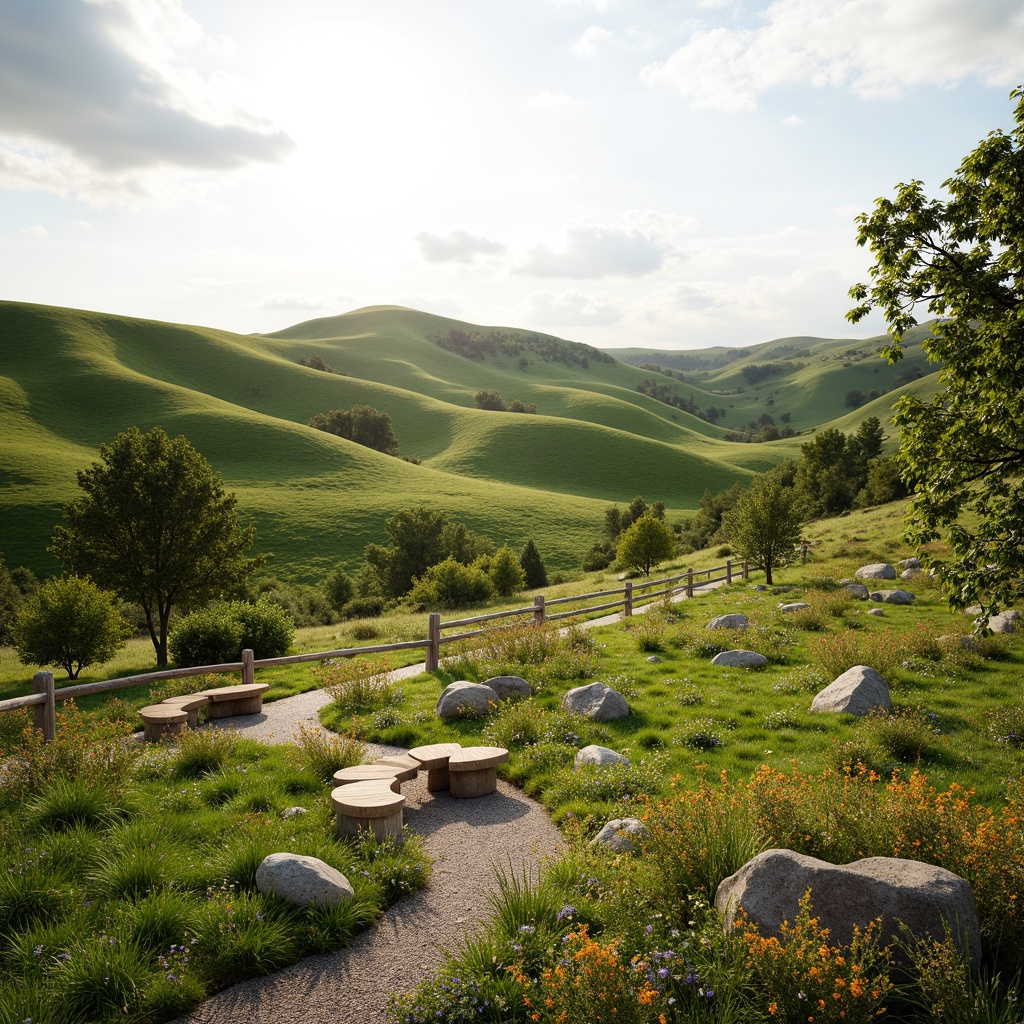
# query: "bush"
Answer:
x=450 y=584
x=363 y=608
x=267 y=629
x=533 y=566
x=217 y=635
x=339 y=588
x=507 y=576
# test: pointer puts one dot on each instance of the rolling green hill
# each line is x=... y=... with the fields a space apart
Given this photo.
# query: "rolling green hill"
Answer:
x=71 y=379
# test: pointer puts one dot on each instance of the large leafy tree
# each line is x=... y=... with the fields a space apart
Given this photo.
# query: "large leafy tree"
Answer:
x=764 y=527
x=156 y=527
x=961 y=260
x=363 y=424
x=645 y=543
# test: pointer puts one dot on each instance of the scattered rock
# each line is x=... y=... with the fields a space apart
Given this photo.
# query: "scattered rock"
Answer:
x=759 y=587
x=909 y=574
x=964 y=641
x=975 y=609
x=509 y=687
x=599 y=756
x=876 y=611
x=729 y=622
x=293 y=812
x=793 y=606
x=740 y=659
x=876 y=571
x=302 y=880
x=622 y=835
x=462 y=699
x=1004 y=622
x=858 y=590
x=654 y=660
x=909 y=563
x=923 y=897
x=893 y=596
x=596 y=701
x=858 y=691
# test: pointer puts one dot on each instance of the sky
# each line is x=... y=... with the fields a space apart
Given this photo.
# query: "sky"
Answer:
x=648 y=173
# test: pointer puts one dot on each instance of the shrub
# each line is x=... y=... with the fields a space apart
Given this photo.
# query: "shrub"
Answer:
x=840 y=651
x=339 y=588
x=507 y=576
x=267 y=630
x=906 y=736
x=357 y=685
x=323 y=755
x=363 y=608
x=207 y=636
x=450 y=584
x=533 y=566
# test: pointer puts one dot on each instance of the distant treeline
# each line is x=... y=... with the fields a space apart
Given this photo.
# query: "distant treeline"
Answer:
x=476 y=345
x=662 y=392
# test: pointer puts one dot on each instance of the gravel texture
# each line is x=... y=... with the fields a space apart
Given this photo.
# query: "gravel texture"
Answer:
x=467 y=840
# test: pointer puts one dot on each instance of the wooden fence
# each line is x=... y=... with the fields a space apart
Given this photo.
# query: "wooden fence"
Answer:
x=44 y=694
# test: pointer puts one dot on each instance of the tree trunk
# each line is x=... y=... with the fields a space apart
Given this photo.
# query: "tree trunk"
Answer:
x=768 y=574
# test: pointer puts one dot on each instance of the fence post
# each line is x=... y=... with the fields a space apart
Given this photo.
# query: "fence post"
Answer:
x=248 y=668
x=728 y=571
x=45 y=715
x=689 y=582
x=433 y=641
x=746 y=570
x=627 y=609
x=539 y=615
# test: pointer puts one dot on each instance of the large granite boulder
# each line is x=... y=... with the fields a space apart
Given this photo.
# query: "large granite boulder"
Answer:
x=302 y=880
x=509 y=687
x=740 y=659
x=598 y=755
x=597 y=701
x=923 y=897
x=909 y=563
x=622 y=835
x=734 y=621
x=893 y=596
x=1004 y=622
x=463 y=699
x=857 y=590
x=793 y=606
x=876 y=571
x=858 y=691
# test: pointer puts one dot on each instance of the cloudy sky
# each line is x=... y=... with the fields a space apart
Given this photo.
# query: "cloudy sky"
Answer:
x=666 y=173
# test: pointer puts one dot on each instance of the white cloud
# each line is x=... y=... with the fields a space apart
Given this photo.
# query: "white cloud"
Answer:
x=93 y=93
x=35 y=231
x=294 y=301
x=873 y=48
x=571 y=309
x=591 y=40
x=457 y=246
x=552 y=101
x=641 y=243
x=81 y=225
x=793 y=121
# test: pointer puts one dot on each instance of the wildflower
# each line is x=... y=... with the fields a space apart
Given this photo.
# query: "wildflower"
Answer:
x=567 y=911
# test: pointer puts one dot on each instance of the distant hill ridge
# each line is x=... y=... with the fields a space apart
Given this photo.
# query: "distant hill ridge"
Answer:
x=71 y=379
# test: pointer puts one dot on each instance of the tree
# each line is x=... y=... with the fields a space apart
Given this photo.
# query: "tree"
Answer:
x=339 y=588
x=362 y=424
x=69 y=622
x=533 y=566
x=647 y=542
x=764 y=527
x=962 y=260
x=156 y=527
x=506 y=573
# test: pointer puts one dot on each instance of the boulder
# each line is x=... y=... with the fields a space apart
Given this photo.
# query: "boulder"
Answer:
x=893 y=596
x=1004 y=622
x=740 y=659
x=302 y=880
x=909 y=563
x=596 y=701
x=858 y=691
x=876 y=571
x=923 y=897
x=729 y=622
x=909 y=574
x=858 y=590
x=599 y=756
x=509 y=687
x=463 y=699
x=622 y=835
x=793 y=606
x=876 y=611
x=964 y=641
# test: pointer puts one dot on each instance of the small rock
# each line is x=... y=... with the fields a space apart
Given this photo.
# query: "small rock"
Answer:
x=302 y=880
x=759 y=587
x=622 y=835
x=858 y=691
x=293 y=812
x=909 y=563
x=653 y=660
x=876 y=571
x=595 y=754
x=909 y=574
x=461 y=699
x=740 y=659
x=734 y=621
x=876 y=612
x=596 y=701
x=793 y=606
x=509 y=687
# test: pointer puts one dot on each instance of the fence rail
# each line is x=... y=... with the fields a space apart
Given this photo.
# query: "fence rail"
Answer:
x=45 y=695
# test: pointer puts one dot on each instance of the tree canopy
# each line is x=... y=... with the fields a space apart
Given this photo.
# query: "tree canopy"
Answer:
x=961 y=260
x=645 y=543
x=764 y=526
x=156 y=527
x=363 y=424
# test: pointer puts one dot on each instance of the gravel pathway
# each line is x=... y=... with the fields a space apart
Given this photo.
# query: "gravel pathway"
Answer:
x=466 y=840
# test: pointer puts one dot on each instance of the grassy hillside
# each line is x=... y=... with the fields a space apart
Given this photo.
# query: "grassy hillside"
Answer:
x=71 y=379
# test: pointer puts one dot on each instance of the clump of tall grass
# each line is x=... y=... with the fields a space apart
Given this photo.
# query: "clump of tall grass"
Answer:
x=323 y=754
x=358 y=685
x=884 y=651
x=203 y=751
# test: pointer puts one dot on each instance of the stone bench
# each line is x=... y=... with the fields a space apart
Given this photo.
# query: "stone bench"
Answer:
x=189 y=703
x=368 y=806
x=434 y=758
x=368 y=773
x=243 y=699
x=162 y=720
x=473 y=770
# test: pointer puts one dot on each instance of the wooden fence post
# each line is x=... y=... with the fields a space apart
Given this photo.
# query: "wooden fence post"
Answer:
x=45 y=715
x=728 y=571
x=248 y=668
x=746 y=569
x=689 y=582
x=538 y=610
x=627 y=608
x=433 y=641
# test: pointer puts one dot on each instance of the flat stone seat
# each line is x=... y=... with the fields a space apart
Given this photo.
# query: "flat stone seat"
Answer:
x=368 y=806
x=162 y=720
x=243 y=699
x=367 y=773
x=473 y=770
x=405 y=767
x=434 y=757
x=190 y=703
